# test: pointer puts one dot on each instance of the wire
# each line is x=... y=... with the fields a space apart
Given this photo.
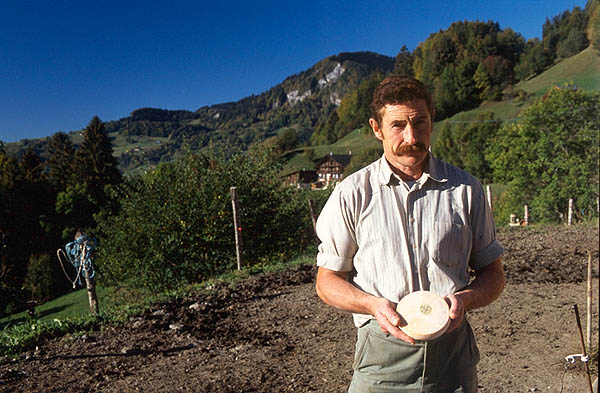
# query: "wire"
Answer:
x=79 y=254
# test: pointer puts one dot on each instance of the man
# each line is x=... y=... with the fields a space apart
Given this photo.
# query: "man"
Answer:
x=404 y=223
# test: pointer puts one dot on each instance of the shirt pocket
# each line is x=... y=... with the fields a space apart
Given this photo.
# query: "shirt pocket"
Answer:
x=450 y=244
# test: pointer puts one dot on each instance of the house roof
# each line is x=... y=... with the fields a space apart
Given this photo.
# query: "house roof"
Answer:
x=342 y=159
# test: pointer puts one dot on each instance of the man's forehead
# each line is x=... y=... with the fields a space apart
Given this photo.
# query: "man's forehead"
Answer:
x=411 y=108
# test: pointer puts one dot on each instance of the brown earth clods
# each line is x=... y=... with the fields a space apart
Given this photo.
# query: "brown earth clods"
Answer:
x=271 y=333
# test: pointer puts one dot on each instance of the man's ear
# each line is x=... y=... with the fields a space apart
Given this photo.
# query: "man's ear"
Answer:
x=375 y=127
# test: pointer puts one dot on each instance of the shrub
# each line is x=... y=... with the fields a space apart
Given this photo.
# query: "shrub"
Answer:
x=44 y=278
x=550 y=155
x=175 y=225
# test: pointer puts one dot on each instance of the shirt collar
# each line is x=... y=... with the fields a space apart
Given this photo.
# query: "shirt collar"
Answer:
x=434 y=170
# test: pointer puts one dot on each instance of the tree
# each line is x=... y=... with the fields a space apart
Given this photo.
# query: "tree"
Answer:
x=491 y=76
x=287 y=139
x=60 y=163
x=355 y=109
x=593 y=29
x=362 y=159
x=95 y=164
x=447 y=62
x=462 y=142
x=25 y=197
x=550 y=155
x=575 y=42
x=403 y=64
x=534 y=60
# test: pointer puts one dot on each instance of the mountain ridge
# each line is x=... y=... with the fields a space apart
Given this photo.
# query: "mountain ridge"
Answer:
x=152 y=135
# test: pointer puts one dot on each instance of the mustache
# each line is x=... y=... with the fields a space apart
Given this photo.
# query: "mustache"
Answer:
x=418 y=147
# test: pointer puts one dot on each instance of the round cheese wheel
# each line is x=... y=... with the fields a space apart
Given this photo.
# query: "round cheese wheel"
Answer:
x=427 y=315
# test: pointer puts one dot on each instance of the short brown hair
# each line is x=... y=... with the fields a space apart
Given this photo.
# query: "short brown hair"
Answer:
x=397 y=89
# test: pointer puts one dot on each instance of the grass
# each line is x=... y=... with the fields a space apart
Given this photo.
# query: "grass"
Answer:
x=583 y=70
x=71 y=305
x=354 y=142
x=69 y=314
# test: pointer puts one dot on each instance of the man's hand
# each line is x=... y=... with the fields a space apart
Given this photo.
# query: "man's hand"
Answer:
x=389 y=320
x=457 y=311
x=333 y=288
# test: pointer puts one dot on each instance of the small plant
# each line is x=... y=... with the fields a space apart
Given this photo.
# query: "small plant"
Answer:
x=18 y=338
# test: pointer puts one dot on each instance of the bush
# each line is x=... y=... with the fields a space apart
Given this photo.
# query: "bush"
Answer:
x=44 y=280
x=550 y=155
x=176 y=225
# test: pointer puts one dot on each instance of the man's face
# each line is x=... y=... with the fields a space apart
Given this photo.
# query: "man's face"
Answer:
x=405 y=132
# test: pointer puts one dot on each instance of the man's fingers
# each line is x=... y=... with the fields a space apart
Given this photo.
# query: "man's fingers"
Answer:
x=456 y=312
x=390 y=322
x=399 y=334
x=455 y=306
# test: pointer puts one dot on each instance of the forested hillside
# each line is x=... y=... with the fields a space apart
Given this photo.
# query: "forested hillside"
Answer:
x=300 y=102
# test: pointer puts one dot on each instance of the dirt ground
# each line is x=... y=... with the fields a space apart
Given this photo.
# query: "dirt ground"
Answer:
x=272 y=334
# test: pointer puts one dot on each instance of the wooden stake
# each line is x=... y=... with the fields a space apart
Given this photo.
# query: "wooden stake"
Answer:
x=570 y=216
x=589 y=301
x=583 y=351
x=489 y=195
x=526 y=214
x=237 y=227
x=90 y=284
x=313 y=215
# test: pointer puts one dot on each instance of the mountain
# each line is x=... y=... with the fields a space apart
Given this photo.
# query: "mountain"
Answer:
x=151 y=135
x=301 y=101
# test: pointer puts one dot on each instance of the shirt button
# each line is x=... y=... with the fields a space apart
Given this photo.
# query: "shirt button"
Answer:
x=412 y=219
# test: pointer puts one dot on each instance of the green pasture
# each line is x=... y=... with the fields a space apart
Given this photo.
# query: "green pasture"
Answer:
x=583 y=70
x=71 y=305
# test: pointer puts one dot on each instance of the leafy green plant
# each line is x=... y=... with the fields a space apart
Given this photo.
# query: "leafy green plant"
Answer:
x=43 y=278
x=175 y=224
x=550 y=155
x=17 y=338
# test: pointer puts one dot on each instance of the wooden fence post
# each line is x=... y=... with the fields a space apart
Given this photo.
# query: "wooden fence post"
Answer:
x=489 y=195
x=589 y=301
x=90 y=284
x=237 y=227
x=313 y=215
x=570 y=215
x=526 y=215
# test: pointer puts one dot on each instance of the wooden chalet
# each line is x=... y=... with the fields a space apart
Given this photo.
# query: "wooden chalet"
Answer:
x=302 y=179
x=331 y=167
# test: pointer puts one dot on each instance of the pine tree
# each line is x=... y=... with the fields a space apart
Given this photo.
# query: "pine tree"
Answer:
x=95 y=164
x=61 y=156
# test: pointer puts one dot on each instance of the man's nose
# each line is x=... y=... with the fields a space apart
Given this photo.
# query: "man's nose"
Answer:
x=409 y=135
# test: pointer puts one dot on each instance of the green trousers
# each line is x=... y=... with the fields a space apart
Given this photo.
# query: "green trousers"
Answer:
x=384 y=364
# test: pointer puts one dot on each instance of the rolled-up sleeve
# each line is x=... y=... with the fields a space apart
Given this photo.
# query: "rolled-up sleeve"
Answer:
x=336 y=231
x=486 y=248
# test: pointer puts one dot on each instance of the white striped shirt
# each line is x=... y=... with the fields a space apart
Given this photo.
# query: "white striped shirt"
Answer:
x=394 y=241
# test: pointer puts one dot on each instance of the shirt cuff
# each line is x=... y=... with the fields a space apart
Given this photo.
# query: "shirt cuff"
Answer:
x=486 y=256
x=334 y=262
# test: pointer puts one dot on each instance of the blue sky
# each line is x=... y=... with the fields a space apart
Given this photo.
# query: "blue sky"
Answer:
x=62 y=62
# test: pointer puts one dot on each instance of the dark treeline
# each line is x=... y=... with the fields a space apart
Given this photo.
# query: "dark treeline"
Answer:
x=43 y=203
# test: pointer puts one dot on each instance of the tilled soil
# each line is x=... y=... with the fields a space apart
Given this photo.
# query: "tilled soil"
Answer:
x=271 y=333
